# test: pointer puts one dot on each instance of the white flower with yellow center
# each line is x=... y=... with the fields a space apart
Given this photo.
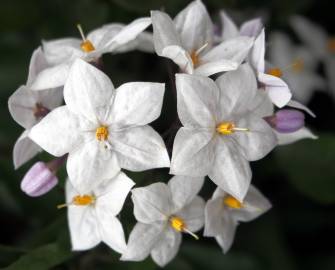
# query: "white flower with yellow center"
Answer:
x=163 y=213
x=103 y=128
x=188 y=41
x=220 y=133
x=28 y=107
x=92 y=215
x=223 y=213
x=111 y=38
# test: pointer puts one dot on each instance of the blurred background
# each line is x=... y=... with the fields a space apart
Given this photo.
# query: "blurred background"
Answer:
x=299 y=179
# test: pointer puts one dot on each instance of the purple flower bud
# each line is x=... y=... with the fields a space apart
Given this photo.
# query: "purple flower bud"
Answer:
x=38 y=180
x=286 y=120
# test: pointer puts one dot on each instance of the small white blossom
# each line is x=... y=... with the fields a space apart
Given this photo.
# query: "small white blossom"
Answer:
x=103 y=128
x=111 y=38
x=92 y=215
x=188 y=41
x=163 y=212
x=220 y=134
x=28 y=107
x=223 y=214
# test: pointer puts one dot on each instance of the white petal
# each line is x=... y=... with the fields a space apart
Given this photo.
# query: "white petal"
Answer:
x=51 y=77
x=137 y=103
x=37 y=64
x=139 y=148
x=262 y=105
x=258 y=141
x=197 y=100
x=112 y=193
x=24 y=150
x=83 y=224
x=237 y=90
x=229 y=28
x=226 y=238
x=231 y=171
x=142 y=240
x=58 y=132
x=281 y=51
x=251 y=28
x=193 y=214
x=50 y=98
x=287 y=138
x=214 y=211
x=257 y=54
x=21 y=106
x=90 y=164
x=152 y=203
x=210 y=68
x=298 y=105
x=87 y=90
x=184 y=189
x=193 y=152
x=235 y=49
x=167 y=247
x=194 y=26
x=181 y=57
x=277 y=89
x=255 y=204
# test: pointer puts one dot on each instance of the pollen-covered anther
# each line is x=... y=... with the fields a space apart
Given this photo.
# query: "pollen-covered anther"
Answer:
x=179 y=225
x=195 y=55
x=101 y=133
x=231 y=202
x=277 y=72
x=331 y=45
x=227 y=128
x=79 y=200
x=86 y=45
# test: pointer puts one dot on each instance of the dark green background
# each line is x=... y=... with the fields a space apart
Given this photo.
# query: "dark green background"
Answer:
x=299 y=179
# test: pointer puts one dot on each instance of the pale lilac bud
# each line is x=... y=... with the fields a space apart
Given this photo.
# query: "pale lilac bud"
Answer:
x=39 y=180
x=286 y=120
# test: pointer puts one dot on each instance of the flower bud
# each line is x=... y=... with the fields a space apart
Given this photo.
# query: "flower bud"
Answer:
x=286 y=120
x=39 y=180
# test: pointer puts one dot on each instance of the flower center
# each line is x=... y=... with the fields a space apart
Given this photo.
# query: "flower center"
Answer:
x=179 y=225
x=195 y=58
x=277 y=72
x=40 y=111
x=331 y=45
x=227 y=128
x=79 y=200
x=231 y=202
x=101 y=133
x=296 y=66
x=86 y=45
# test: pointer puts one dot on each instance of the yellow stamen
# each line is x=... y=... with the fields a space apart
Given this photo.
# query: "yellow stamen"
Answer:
x=227 y=128
x=101 y=133
x=179 y=225
x=298 y=65
x=86 y=45
x=79 y=200
x=231 y=202
x=195 y=58
x=331 y=45
x=277 y=72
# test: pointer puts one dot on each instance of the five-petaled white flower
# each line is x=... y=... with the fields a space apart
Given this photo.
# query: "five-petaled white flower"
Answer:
x=92 y=215
x=163 y=212
x=223 y=214
x=188 y=41
x=103 y=128
x=111 y=38
x=28 y=107
x=220 y=133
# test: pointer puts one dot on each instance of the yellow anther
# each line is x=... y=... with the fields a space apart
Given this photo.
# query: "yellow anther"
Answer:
x=87 y=46
x=231 y=202
x=227 y=128
x=298 y=65
x=177 y=223
x=331 y=45
x=79 y=200
x=277 y=72
x=101 y=133
x=195 y=58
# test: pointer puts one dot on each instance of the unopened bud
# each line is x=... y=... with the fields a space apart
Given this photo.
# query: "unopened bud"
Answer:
x=286 y=120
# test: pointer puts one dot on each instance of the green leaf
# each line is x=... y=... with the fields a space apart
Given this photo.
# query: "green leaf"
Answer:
x=309 y=165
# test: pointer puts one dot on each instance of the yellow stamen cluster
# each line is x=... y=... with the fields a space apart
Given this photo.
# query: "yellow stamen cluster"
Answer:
x=101 y=133
x=177 y=223
x=331 y=45
x=298 y=65
x=231 y=202
x=225 y=128
x=87 y=46
x=195 y=58
x=79 y=200
x=277 y=72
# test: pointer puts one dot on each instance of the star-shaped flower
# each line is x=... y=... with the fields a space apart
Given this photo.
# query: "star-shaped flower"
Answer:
x=92 y=215
x=220 y=133
x=188 y=41
x=103 y=128
x=223 y=213
x=111 y=38
x=163 y=212
x=28 y=107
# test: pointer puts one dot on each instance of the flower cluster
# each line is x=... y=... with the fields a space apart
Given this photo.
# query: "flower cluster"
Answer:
x=230 y=104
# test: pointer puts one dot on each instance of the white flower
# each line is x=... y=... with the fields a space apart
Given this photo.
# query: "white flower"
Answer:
x=92 y=215
x=223 y=214
x=220 y=133
x=27 y=107
x=188 y=41
x=110 y=38
x=103 y=128
x=163 y=212
x=296 y=65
